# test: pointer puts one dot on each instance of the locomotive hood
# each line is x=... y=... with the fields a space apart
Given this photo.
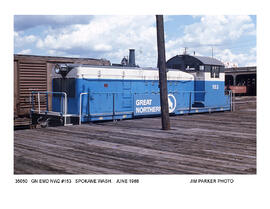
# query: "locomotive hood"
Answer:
x=113 y=72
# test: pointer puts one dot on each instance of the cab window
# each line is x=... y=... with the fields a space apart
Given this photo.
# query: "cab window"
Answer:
x=215 y=70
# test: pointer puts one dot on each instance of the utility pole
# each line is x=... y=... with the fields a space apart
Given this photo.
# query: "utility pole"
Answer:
x=165 y=120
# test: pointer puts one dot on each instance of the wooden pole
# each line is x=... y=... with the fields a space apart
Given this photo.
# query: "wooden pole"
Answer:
x=165 y=120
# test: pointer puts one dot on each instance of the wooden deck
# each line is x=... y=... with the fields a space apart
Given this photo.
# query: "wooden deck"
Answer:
x=216 y=143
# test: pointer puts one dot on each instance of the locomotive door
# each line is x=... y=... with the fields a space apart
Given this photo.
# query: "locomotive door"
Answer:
x=126 y=96
x=199 y=95
x=101 y=104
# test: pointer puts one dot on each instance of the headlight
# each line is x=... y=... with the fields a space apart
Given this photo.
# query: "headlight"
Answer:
x=62 y=69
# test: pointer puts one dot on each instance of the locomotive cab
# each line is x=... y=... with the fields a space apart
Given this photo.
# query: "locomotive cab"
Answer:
x=209 y=78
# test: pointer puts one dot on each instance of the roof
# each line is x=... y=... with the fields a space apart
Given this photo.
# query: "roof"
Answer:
x=56 y=59
x=209 y=60
x=242 y=69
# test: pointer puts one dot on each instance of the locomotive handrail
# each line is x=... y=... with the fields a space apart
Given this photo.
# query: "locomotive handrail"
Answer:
x=114 y=113
x=80 y=113
x=49 y=92
x=149 y=93
x=190 y=93
x=231 y=99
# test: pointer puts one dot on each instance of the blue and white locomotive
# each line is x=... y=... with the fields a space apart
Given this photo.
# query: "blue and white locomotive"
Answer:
x=83 y=93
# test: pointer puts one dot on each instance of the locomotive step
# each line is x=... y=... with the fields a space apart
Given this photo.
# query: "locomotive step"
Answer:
x=54 y=119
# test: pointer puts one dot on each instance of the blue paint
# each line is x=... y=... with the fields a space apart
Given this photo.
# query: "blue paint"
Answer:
x=109 y=99
x=146 y=104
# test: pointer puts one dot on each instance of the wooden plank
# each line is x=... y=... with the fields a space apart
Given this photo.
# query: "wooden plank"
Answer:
x=132 y=152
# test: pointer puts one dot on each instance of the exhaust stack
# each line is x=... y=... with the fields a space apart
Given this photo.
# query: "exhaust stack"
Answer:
x=131 y=60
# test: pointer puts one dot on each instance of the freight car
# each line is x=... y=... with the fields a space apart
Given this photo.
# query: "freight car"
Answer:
x=83 y=93
x=32 y=73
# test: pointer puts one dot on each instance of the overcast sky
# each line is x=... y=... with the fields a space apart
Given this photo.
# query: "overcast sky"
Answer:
x=232 y=38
